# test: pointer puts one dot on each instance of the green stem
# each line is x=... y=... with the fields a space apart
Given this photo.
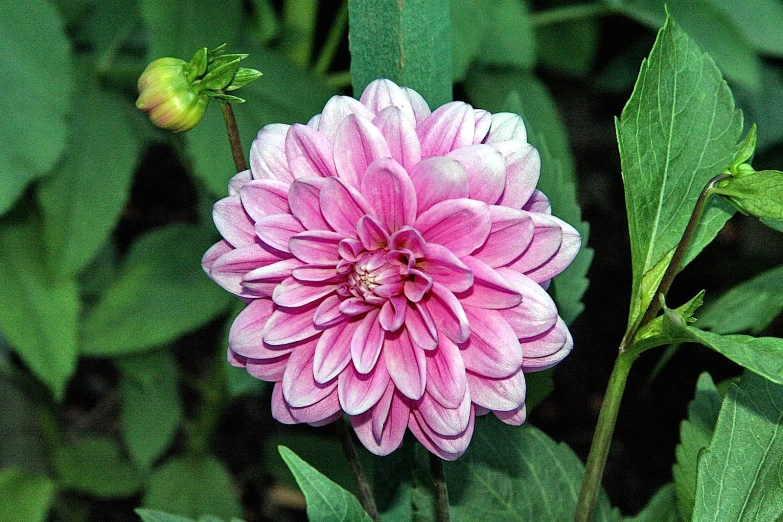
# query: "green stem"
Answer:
x=339 y=80
x=365 y=492
x=568 y=13
x=442 y=513
x=333 y=40
x=233 y=136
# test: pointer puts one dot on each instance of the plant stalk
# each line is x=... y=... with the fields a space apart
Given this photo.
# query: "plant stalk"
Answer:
x=233 y=136
x=442 y=513
x=365 y=492
x=336 y=33
x=568 y=13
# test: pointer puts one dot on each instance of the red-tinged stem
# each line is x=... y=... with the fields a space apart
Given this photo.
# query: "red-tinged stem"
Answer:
x=233 y=136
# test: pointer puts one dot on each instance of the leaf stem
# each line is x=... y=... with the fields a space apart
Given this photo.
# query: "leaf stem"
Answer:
x=333 y=40
x=233 y=136
x=442 y=513
x=365 y=492
x=568 y=14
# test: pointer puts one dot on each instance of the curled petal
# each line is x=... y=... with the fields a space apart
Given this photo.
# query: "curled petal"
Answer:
x=510 y=234
x=323 y=412
x=264 y=197
x=569 y=248
x=359 y=392
x=246 y=337
x=214 y=253
x=270 y=370
x=449 y=422
x=421 y=110
x=382 y=94
x=506 y=126
x=515 y=417
x=503 y=394
x=492 y=349
x=355 y=306
x=333 y=351
x=461 y=225
x=263 y=280
x=421 y=326
x=417 y=285
x=337 y=109
x=280 y=410
x=523 y=166
x=547 y=237
x=489 y=289
x=317 y=273
x=277 y=230
x=328 y=312
x=390 y=193
x=446 y=447
x=392 y=315
x=381 y=429
x=538 y=202
x=450 y=127
x=547 y=349
x=372 y=233
x=229 y=269
x=357 y=144
x=486 y=169
x=400 y=134
x=438 y=179
x=300 y=389
x=406 y=363
x=367 y=342
x=446 y=378
x=308 y=151
x=319 y=247
x=342 y=206
x=445 y=268
x=483 y=121
x=305 y=204
x=447 y=313
x=267 y=154
x=236 y=183
x=536 y=313
x=233 y=223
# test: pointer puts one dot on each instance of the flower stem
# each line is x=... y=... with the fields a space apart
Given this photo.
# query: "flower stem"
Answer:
x=442 y=513
x=365 y=492
x=568 y=13
x=233 y=136
x=333 y=40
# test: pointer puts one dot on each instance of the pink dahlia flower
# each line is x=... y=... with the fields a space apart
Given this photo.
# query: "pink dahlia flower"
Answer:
x=394 y=261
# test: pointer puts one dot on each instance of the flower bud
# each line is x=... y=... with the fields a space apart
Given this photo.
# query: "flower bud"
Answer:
x=172 y=100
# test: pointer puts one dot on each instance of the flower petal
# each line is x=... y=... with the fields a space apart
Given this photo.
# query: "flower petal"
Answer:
x=490 y=289
x=450 y=127
x=547 y=349
x=280 y=410
x=400 y=134
x=323 y=412
x=236 y=183
x=245 y=337
x=536 y=313
x=393 y=312
x=547 y=238
x=391 y=418
x=336 y=110
x=277 y=230
x=446 y=268
x=264 y=197
x=290 y=325
x=333 y=351
x=447 y=448
x=446 y=377
x=305 y=203
x=390 y=193
x=292 y=293
x=267 y=154
x=367 y=342
x=438 y=179
x=461 y=225
x=214 y=253
x=569 y=248
x=382 y=94
x=511 y=232
x=317 y=247
x=309 y=153
x=359 y=392
x=515 y=417
x=444 y=421
x=317 y=273
x=357 y=144
x=503 y=394
x=233 y=222
x=421 y=110
x=229 y=269
x=328 y=312
x=421 y=326
x=523 y=166
x=342 y=206
x=492 y=349
x=506 y=126
x=270 y=370
x=406 y=363
x=372 y=233
x=300 y=389
x=483 y=121
x=263 y=280
x=447 y=313
x=538 y=202
x=486 y=170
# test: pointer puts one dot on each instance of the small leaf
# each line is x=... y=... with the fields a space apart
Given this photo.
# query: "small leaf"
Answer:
x=746 y=150
x=193 y=486
x=150 y=515
x=220 y=76
x=95 y=466
x=161 y=294
x=242 y=77
x=24 y=497
x=407 y=42
x=758 y=194
x=740 y=472
x=661 y=508
x=326 y=501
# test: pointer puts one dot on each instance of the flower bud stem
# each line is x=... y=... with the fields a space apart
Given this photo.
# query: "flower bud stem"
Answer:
x=442 y=513
x=607 y=417
x=233 y=136
x=365 y=492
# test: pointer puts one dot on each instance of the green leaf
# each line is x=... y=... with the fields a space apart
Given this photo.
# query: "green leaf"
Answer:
x=24 y=497
x=750 y=306
x=149 y=515
x=406 y=42
x=326 y=501
x=775 y=224
x=319 y=451
x=695 y=435
x=161 y=294
x=469 y=25
x=760 y=21
x=678 y=130
x=568 y=47
x=193 y=486
x=759 y=194
x=95 y=466
x=21 y=440
x=509 y=40
x=745 y=151
x=37 y=82
x=661 y=508
x=82 y=200
x=38 y=315
x=151 y=407
x=740 y=473
x=269 y=101
x=517 y=473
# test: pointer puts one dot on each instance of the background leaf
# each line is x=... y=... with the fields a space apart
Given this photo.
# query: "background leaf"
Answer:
x=150 y=515
x=94 y=465
x=568 y=47
x=24 y=497
x=162 y=288
x=406 y=42
x=678 y=130
x=740 y=473
x=760 y=21
x=41 y=76
x=661 y=508
x=326 y=501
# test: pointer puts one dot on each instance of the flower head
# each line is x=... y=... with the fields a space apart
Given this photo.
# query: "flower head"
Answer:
x=168 y=95
x=395 y=262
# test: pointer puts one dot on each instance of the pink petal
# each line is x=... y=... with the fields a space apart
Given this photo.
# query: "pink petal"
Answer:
x=270 y=370
x=450 y=127
x=421 y=326
x=328 y=312
x=337 y=109
x=372 y=233
x=447 y=448
x=449 y=422
x=547 y=238
x=293 y=294
x=267 y=154
x=323 y=412
x=317 y=247
x=498 y=394
x=232 y=222
x=461 y=225
x=300 y=389
x=357 y=144
x=214 y=253
x=333 y=351
x=446 y=268
x=309 y=153
x=367 y=342
x=264 y=197
x=538 y=202
x=390 y=193
x=490 y=289
x=246 y=334
x=511 y=233
x=392 y=315
x=421 y=110
x=417 y=285
x=514 y=417
x=406 y=363
x=523 y=166
x=382 y=94
x=400 y=134
x=342 y=206
x=407 y=239
x=392 y=420
x=317 y=274
x=263 y=280
x=280 y=410
x=493 y=349
x=569 y=248
x=229 y=269
x=235 y=360
x=483 y=122
x=506 y=126
x=446 y=378
x=277 y=230
x=290 y=325
x=359 y=392
x=546 y=350
x=236 y=183
x=439 y=179
x=486 y=170
x=355 y=306
x=304 y=201
x=536 y=313
x=448 y=314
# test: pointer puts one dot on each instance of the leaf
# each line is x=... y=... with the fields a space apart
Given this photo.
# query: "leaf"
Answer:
x=661 y=508
x=760 y=22
x=407 y=42
x=750 y=306
x=319 y=451
x=695 y=435
x=269 y=100
x=24 y=497
x=151 y=406
x=509 y=39
x=678 y=130
x=326 y=501
x=21 y=440
x=38 y=315
x=740 y=473
x=37 y=69
x=759 y=193
x=95 y=466
x=161 y=294
x=469 y=24
x=193 y=486
x=149 y=515
x=568 y=47
x=765 y=108
x=82 y=200
x=517 y=473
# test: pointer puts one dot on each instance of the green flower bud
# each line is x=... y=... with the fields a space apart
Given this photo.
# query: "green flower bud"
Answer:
x=173 y=102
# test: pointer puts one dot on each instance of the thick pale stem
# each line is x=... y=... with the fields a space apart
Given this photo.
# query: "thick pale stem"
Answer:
x=365 y=492
x=233 y=136
x=442 y=513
